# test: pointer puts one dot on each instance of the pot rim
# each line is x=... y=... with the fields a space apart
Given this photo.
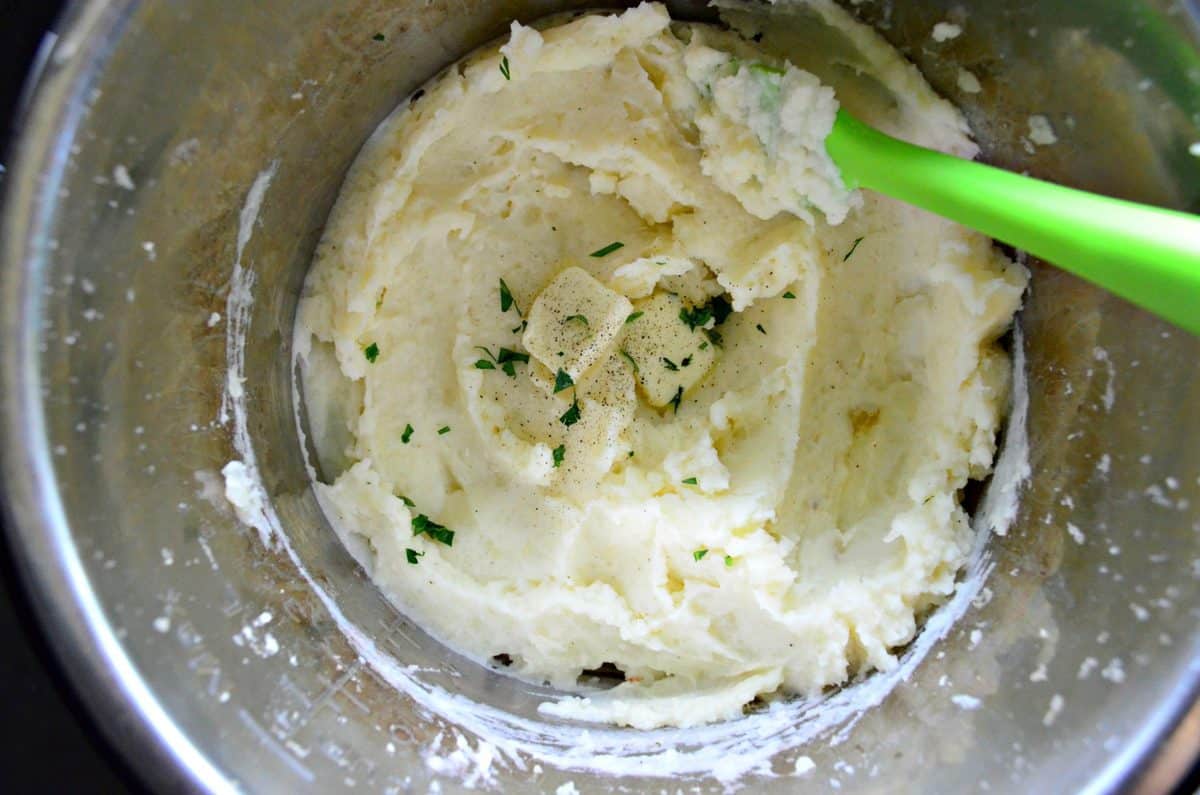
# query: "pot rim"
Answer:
x=106 y=679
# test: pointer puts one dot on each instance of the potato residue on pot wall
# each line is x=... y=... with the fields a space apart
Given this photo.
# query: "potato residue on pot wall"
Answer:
x=595 y=380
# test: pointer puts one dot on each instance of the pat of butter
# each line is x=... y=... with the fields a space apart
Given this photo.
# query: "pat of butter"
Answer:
x=669 y=354
x=575 y=323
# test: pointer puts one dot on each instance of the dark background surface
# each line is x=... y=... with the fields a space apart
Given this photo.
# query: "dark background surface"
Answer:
x=48 y=742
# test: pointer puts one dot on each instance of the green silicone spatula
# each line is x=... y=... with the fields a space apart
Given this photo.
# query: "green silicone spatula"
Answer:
x=1146 y=255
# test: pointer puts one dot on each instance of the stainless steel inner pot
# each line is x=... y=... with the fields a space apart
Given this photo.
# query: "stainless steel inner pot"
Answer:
x=140 y=142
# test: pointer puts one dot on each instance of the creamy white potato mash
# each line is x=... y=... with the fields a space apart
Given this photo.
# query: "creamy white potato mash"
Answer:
x=604 y=364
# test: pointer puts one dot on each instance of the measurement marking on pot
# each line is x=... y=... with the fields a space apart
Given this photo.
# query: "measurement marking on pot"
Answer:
x=274 y=746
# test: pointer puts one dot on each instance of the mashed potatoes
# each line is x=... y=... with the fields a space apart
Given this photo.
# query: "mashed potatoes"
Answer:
x=605 y=365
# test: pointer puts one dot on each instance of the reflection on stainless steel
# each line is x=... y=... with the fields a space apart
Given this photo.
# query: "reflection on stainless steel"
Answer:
x=213 y=664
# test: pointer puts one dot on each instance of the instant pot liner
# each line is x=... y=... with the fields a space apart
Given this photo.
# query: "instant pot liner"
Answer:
x=215 y=662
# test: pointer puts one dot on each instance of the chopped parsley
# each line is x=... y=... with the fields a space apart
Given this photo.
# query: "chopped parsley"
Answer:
x=506 y=358
x=631 y=454
x=571 y=415
x=857 y=240
x=629 y=359
x=442 y=431
x=721 y=308
x=685 y=361
x=560 y=453
x=760 y=328
x=714 y=337
x=729 y=560
x=670 y=365
x=699 y=554
x=717 y=310
x=412 y=555
x=610 y=248
x=422 y=524
x=694 y=317
x=690 y=481
x=675 y=401
x=580 y=318
x=408 y=432
x=506 y=299
x=789 y=295
x=633 y=316
x=407 y=501
x=504 y=68
x=371 y=352
x=509 y=355
x=703 y=345
x=562 y=380
x=378 y=37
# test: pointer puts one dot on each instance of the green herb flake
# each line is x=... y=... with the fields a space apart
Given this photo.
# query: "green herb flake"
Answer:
x=560 y=453
x=695 y=317
x=371 y=352
x=760 y=328
x=506 y=298
x=728 y=561
x=857 y=240
x=484 y=364
x=703 y=345
x=442 y=431
x=571 y=415
x=562 y=380
x=629 y=359
x=685 y=361
x=504 y=68
x=423 y=525
x=579 y=318
x=675 y=401
x=408 y=432
x=721 y=309
x=509 y=355
x=714 y=337
x=718 y=310
x=412 y=555
x=378 y=37
x=631 y=454
x=789 y=295
x=507 y=358
x=610 y=248
x=699 y=554
x=690 y=481
x=407 y=501
x=633 y=316
x=670 y=365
